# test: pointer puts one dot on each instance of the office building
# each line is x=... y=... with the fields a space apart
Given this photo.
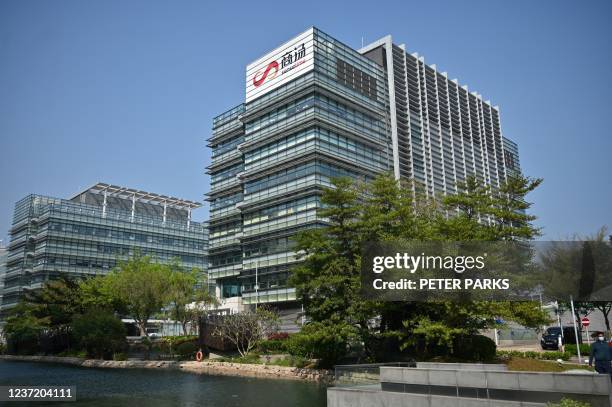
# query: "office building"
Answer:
x=3 y=255
x=511 y=157
x=316 y=109
x=89 y=233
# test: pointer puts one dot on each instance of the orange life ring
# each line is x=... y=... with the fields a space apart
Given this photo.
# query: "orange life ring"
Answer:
x=199 y=356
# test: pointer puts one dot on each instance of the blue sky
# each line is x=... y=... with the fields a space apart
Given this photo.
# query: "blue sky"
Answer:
x=124 y=92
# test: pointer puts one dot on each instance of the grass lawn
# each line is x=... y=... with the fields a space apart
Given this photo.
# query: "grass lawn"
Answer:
x=533 y=365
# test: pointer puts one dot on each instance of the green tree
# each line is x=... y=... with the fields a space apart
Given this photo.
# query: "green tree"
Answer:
x=140 y=285
x=509 y=217
x=23 y=329
x=478 y=213
x=187 y=294
x=100 y=333
x=328 y=280
x=51 y=307
x=97 y=293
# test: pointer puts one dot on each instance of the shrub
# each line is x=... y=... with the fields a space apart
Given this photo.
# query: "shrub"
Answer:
x=477 y=348
x=100 y=333
x=507 y=354
x=272 y=345
x=278 y=336
x=251 y=358
x=23 y=331
x=187 y=350
x=73 y=353
x=120 y=356
x=569 y=403
x=326 y=342
x=292 y=361
x=585 y=349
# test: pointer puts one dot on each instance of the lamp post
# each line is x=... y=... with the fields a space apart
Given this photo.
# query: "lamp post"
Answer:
x=256 y=284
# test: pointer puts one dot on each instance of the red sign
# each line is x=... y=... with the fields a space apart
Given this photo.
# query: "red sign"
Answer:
x=585 y=322
x=262 y=78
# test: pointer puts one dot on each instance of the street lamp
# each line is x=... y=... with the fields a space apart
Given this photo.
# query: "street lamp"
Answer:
x=256 y=284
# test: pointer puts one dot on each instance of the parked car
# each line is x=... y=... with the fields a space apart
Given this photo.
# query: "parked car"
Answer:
x=550 y=337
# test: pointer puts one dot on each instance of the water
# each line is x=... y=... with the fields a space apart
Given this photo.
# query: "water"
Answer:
x=152 y=388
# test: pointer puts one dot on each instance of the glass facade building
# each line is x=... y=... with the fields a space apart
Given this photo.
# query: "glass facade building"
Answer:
x=330 y=110
x=88 y=234
x=3 y=255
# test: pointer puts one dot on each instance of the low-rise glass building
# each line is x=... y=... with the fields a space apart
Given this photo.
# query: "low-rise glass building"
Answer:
x=89 y=233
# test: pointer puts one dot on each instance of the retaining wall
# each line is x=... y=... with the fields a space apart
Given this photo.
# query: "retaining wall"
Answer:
x=205 y=367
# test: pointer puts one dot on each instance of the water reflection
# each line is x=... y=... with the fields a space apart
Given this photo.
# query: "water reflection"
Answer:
x=135 y=387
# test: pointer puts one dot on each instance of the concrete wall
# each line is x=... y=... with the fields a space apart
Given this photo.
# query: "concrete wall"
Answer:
x=355 y=397
x=463 y=366
x=519 y=386
x=472 y=385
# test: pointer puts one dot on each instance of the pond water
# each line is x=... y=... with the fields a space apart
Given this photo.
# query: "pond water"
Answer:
x=148 y=387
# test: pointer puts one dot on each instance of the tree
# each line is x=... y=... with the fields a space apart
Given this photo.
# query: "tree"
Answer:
x=245 y=329
x=141 y=286
x=587 y=271
x=58 y=300
x=185 y=298
x=587 y=267
x=509 y=218
x=605 y=307
x=324 y=341
x=52 y=307
x=328 y=280
x=96 y=292
x=99 y=332
x=23 y=329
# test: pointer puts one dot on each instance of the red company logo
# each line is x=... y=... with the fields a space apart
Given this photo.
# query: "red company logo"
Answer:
x=266 y=72
x=292 y=59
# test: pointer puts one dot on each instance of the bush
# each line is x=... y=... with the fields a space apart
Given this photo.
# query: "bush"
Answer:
x=120 y=356
x=272 y=345
x=478 y=348
x=22 y=332
x=100 y=333
x=326 y=342
x=293 y=361
x=569 y=403
x=585 y=349
x=278 y=336
x=187 y=350
x=169 y=344
x=73 y=353
x=251 y=358
x=507 y=354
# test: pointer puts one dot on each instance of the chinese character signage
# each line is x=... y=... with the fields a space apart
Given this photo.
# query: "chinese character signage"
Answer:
x=285 y=63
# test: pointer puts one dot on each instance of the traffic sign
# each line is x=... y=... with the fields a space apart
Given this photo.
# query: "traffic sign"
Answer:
x=585 y=322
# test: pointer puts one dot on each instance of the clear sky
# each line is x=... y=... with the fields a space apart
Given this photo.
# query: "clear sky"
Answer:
x=125 y=91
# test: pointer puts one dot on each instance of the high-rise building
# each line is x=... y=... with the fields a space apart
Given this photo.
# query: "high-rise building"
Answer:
x=3 y=255
x=511 y=157
x=88 y=234
x=315 y=109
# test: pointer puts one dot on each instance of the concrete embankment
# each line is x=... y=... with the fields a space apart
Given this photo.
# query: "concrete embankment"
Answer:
x=205 y=367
